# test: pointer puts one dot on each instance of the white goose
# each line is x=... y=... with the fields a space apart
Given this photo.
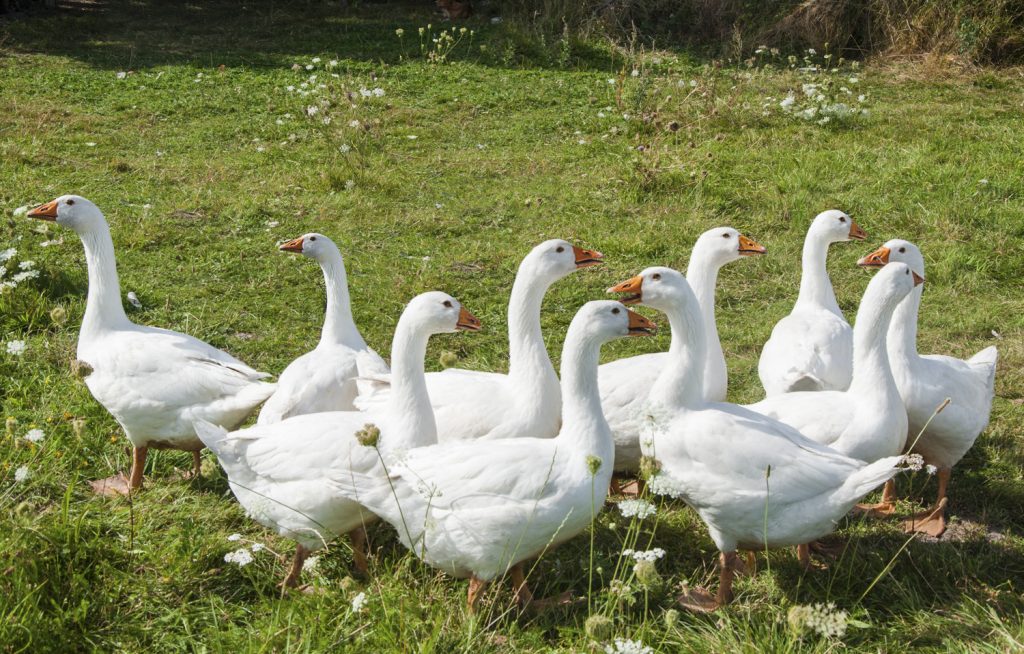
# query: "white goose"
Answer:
x=925 y=382
x=154 y=382
x=811 y=349
x=755 y=482
x=478 y=509
x=324 y=379
x=471 y=404
x=625 y=383
x=279 y=472
x=867 y=421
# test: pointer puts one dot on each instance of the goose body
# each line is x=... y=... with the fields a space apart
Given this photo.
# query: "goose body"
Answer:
x=324 y=379
x=755 y=482
x=155 y=382
x=478 y=509
x=926 y=382
x=811 y=349
x=470 y=404
x=625 y=383
x=867 y=421
x=280 y=472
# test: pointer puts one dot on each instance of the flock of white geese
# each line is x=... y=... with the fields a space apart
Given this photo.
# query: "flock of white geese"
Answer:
x=479 y=471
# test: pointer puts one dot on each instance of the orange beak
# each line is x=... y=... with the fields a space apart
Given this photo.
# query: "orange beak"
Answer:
x=856 y=232
x=640 y=326
x=586 y=258
x=633 y=286
x=467 y=321
x=294 y=245
x=876 y=259
x=749 y=247
x=918 y=279
x=46 y=211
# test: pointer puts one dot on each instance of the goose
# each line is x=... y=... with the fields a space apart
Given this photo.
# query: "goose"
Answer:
x=925 y=383
x=280 y=472
x=154 y=381
x=324 y=379
x=470 y=404
x=625 y=382
x=811 y=349
x=754 y=481
x=478 y=509
x=866 y=421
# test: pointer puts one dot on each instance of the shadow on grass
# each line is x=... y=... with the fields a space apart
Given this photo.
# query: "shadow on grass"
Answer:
x=122 y=35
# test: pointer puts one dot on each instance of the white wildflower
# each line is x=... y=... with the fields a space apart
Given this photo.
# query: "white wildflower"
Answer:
x=260 y=148
x=235 y=537
x=242 y=557
x=611 y=81
x=35 y=435
x=412 y=137
x=821 y=618
x=121 y=74
x=353 y=123
x=21 y=474
x=21 y=211
x=983 y=182
x=358 y=601
x=310 y=563
x=326 y=120
x=345 y=148
x=312 y=110
x=635 y=73
x=812 y=51
x=861 y=97
x=914 y=462
x=662 y=484
x=22 y=276
x=316 y=60
x=365 y=92
x=624 y=646
x=349 y=184
x=258 y=547
x=930 y=469
x=787 y=102
x=290 y=88
x=279 y=122
x=636 y=508
x=854 y=80
x=645 y=555
x=15 y=348
x=378 y=92
x=495 y=20
x=309 y=66
x=7 y=254
x=332 y=63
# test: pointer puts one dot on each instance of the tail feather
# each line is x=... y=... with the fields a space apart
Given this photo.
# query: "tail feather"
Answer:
x=374 y=491
x=985 y=362
x=869 y=478
x=214 y=437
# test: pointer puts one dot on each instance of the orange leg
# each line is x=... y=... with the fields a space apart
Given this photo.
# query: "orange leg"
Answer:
x=523 y=595
x=803 y=554
x=291 y=580
x=888 y=504
x=700 y=600
x=197 y=464
x=476 y=589
x=932 y=521
x=138 y=463
x=358 y=538
x=119 y=484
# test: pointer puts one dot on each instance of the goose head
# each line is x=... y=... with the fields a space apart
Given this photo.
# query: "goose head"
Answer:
x=71 y=211
x=834 y=226
x=601 y=321
x=439 y=313
x=893 y=283
x=552 y=260
x=659 y=288
x=723 y=245
x=315 y=246
x=895 y=250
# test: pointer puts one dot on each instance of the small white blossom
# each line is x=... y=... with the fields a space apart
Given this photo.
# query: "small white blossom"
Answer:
x=242 y=557
x=316 y=60
x=357 y=602
x=90 y=144
x=16 y=348
x=645 y=555
x=412 y=137
x=290 y=88
x=983 y=182
x=332 y=63
x=258 y=547
x=235 y=537
x=861 y=97
x=121 y=74
x=349 y=184
x=930 y=469
x=378 y=92
x=309 y=66
x=821 y=618
x=365 y=92
x=787 y=102
x=353 y=123
x=312 y=110
x=914 y=462
x=635 y=73
x=21 y=474
x=35 y=435
x=21 y=211
x=7 y=254
x=345 y=148
x=22 y=276
x=636 y=508
x=624 y=646
x=854 y=80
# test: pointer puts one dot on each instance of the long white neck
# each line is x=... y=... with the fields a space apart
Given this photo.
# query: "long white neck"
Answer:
x=339 y=327
x=872 y=374
x=413 y=424
x=702 y=274
x=903 y=330
x=529 y=364
x=681 y=383
x=815 y=285
x=584 y=428
x=103 y=308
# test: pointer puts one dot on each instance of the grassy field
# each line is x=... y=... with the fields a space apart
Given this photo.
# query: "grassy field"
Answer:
x=179 y=123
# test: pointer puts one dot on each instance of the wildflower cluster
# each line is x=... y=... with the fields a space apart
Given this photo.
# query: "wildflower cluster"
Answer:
x=437 y=48
x=243 y=556
x=827 y=91
x=11 y=275
x=913 y=462
x=636 y=508
x=645 y=555
x=662 y=484
x=624 y=646
x=823 y=619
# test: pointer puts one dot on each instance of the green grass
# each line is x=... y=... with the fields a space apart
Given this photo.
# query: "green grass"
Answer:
x=196 y=210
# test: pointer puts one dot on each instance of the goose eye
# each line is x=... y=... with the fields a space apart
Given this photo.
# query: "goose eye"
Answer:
x=725 y=235
x=312 y=238
x=615 y=310
x=903 y=249
x=560 y=249
x=448 y=303
x=842 y=219
x=70 y=202
x=656 y=276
